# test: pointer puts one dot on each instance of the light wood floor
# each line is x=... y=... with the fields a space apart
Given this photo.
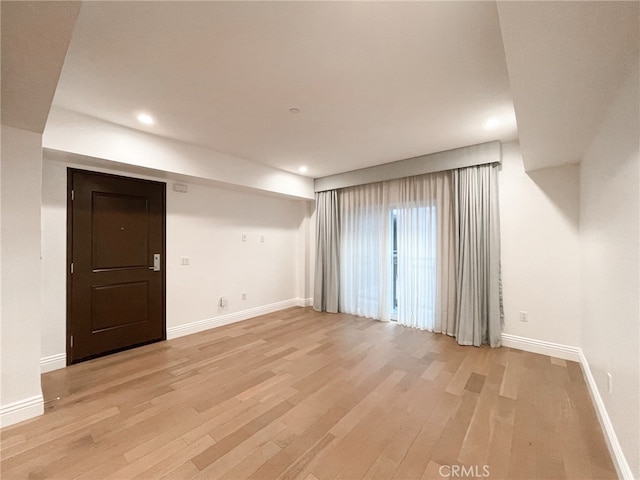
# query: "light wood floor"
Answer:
x=297 y=394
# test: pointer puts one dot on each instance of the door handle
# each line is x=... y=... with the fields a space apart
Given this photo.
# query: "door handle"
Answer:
x=156 y=263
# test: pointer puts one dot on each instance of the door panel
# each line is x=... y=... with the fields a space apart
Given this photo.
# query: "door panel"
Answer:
x=116 y=300
x=120 y=231
x=114 y=306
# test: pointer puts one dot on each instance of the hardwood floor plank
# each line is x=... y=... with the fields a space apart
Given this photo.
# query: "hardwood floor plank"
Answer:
x=32 y=450
x=288 y=456
x=301 y=467
x=511 y=379
x=497 y=462
x=240 y=452
x=433 y=370
x=113 y=447
x=303 y=395
x=445 y=409
x=415 y=462
x=433 y=472
x=447 y=448
x=389 y=459
x=461 y=377
x=229 y=442
x=101 y=470
x=176 y=459
x=148 y=461
x=252 y=462
x=185 y=471
x=368 y=403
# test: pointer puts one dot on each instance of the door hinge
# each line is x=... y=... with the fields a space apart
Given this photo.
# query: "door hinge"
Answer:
x=71 y=341
x=71 y=268
x=73 y=195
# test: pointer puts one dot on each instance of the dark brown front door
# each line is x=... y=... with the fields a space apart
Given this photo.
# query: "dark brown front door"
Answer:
x=116 y=279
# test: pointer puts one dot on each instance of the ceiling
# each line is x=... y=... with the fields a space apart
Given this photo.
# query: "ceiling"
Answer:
x=374 y=82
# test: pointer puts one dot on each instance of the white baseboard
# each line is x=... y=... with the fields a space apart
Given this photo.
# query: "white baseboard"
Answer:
x=576 y=354
x=304 y=302
x=53 y=362
x=557 y=350
x=619 y=460
x=226 y=319
x=21 y=410
x=34 y=406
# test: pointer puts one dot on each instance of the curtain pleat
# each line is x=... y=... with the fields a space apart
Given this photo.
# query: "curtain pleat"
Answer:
x=327 y=271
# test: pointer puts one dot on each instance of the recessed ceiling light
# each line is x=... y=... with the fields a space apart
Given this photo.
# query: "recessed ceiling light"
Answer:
x=145 y=118
x=303 y=169
x=491 y=123
x=294 y=110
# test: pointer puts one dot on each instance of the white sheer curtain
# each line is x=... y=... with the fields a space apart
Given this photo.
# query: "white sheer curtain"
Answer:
x=425 y=282
x=365 y=251
x=444 y=228
x=416 y=256
x=425 y=253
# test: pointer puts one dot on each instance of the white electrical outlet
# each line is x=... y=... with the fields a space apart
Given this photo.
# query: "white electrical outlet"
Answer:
x=184 y=260
x=261 y=238
x=244 y=295
x=609 y=382
x=244 y=237
x=524 y=316
x=223 y=301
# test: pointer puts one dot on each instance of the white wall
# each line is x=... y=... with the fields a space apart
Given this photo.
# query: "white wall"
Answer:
x=306 y=253
x=205 y=224
x=20 y=392
x=610 y=209
x=54 y=260
x=539 y=213
x=79 y=134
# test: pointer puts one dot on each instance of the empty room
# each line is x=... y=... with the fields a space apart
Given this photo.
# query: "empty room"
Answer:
x=320 y=240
